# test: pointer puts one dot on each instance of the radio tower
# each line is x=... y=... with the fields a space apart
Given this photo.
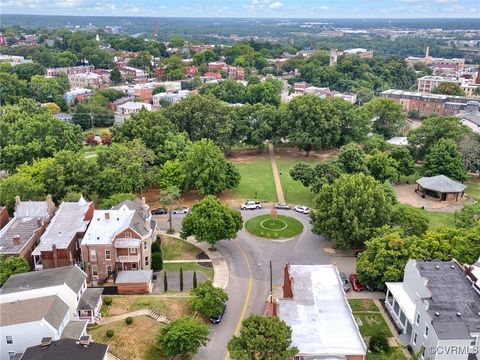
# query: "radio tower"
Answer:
x=155 y=30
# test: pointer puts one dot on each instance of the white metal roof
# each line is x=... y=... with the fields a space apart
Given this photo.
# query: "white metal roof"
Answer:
x=319 y=315
x=103 y=230
x=403 y=299
x=134 y=276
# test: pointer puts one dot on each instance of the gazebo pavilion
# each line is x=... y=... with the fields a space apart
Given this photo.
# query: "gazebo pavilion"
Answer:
x=440 y=187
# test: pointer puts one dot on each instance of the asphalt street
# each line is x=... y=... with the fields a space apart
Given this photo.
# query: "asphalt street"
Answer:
x=248 y=260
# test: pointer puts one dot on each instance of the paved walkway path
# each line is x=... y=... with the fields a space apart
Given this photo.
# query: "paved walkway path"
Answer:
x=144 y=312
x=187 y=261
x=276 y=175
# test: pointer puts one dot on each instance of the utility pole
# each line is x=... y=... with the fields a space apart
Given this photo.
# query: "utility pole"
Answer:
x=271 y=283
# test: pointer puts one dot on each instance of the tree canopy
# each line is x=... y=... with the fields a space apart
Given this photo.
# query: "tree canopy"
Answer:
x=445 y=159
x=207 y=299
x=388 y=117
x=12 y=265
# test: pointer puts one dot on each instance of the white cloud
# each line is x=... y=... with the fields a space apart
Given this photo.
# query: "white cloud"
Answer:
x=446 y=1
x=275 y=5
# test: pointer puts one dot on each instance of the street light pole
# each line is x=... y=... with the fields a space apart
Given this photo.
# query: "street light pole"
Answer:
x=271 y=283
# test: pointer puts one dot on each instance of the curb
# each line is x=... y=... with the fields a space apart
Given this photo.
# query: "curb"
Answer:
x=221 y=272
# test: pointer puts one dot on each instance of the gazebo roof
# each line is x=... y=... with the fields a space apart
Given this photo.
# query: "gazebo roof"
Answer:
x=441 y=183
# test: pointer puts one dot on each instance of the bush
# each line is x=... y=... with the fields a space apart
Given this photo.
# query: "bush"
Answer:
x=107 y=300
x=129 y=320
x=378 y=343
x=157 y=262
x=156 y=248
x=109 y=333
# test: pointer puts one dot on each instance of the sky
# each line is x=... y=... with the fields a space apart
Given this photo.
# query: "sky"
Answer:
x=250 y=8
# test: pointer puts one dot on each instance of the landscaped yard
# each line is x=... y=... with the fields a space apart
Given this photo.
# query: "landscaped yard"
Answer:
x=438 y=219
x=175 y=267
x=175 y=249
x=256 y=181
x=134 y=341
x=370 y=322
x=279 y=227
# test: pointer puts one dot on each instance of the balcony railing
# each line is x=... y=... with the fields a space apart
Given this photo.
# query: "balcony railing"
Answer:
x=128 y=258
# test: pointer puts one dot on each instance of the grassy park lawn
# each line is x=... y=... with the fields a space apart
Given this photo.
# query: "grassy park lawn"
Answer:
x=175 y=267
x=473 y=187
x=256 y=182
x=438 y=219
x=176 y=249
x=173 y=307
x=281 y=226
x=134 y=341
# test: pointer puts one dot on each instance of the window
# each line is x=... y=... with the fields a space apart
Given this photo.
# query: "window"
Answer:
x=146 y=260
x=145 y=245
x=414 y=338
x=94 y=271
x=426 y=331
x=93 y=255
x=418 y=318
x=134 y=266
x=133 y=251
x=109 y=269
x=108 y=255
x=11 y=355
x=128 y=234
x=9 y=339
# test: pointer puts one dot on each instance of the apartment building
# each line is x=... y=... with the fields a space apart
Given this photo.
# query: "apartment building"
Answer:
x=169 y=97
x=124 y=111
x=70 y=70
x=315 y=308
x=437 y=310
x=363 y=53
x=134 y=73
x=86 y=80
x=59 y=244
x=455 y=64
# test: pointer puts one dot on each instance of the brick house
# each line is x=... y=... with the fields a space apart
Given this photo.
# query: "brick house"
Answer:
x=118 y=240
x=4 y=217
x=59 y=245
x=22 y=233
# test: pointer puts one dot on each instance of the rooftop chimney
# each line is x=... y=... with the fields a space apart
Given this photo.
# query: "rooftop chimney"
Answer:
x=50 y=205
x=107 y=216
x=39 y=222
x=16 y=239
x=85 y=340
x=46 y=342
x=287 y=284
x=17 y=200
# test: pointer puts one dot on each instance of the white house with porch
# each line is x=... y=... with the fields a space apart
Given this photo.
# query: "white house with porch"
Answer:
x=436 y=310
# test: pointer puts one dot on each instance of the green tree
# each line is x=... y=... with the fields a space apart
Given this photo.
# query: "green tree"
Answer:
x=307 y=124
x=115 y=199
x=210 y=221
x=165 y=281
x=208 y=170
x=404 y=159
x=410 y=221
x=12 y=89
x=207 y=299
x=265 y=93
x=183 y=337
x=177 y=41
x=157 y=262
x=115 y=76
x=262 y=338
x=469 y=147
x=22 y=185
x=389 y=117
x=28 y=70
x=43 y=89
x=375 y=142
x=171 y=174
x=352 y=159
x=466 y=217
x=350 y=210
x=91 y=113
x=12 y=265
x=448 y=88
x=433 y=129
x=194 y=281
x=382 y=167
x=445 y=159
x=158 y=89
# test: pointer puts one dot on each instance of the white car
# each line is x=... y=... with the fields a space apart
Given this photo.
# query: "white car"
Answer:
x=183 y=210
x=251 y=205
x=301 y=209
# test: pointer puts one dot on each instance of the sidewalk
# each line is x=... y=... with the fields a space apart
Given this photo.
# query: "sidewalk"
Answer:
x=276 y=176
x=221 y=273
x=187 y=261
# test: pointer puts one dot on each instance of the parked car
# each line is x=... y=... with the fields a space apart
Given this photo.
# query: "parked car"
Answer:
x=345 y=284
x=217 y=319
x=160 y=211
x=251 y=205
x=369 y=287
x=356 y=286
x=183 y=210
x=301 y=209
x=282 y=206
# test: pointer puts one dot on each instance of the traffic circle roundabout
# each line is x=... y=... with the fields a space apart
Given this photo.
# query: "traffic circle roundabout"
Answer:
x=274 y=227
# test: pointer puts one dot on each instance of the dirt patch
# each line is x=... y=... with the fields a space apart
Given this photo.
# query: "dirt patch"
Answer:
x=291 y=153
x=171 y=307
x=406 y=195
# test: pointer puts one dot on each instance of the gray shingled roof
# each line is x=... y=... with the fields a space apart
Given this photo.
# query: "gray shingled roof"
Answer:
x=74 y=329
x=451 y=293
x=34 y=209
x=71 y=275
x=136 y=205
x=441 y=183
x=66 y=349
x=51 y=308
x=89 y=299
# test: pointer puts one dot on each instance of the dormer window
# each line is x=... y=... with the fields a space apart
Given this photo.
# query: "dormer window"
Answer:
x=128 y=234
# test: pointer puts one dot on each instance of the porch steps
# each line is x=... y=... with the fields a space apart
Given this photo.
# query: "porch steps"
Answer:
x=155 y=315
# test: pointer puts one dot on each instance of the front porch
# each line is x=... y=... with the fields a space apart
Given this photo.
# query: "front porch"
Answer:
x=89 y=305
x=401 y=309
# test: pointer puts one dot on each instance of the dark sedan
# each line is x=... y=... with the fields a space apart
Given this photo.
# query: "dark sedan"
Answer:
x=217 y=319
x=160 y=211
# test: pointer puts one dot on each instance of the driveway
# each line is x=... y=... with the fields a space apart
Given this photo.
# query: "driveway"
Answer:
x=173 y=279
x=249 y=285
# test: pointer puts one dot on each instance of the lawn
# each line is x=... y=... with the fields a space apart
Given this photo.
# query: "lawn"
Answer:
x=173 y=307
x=362 y=305
x=280 y=227
x=134 y=341
x=176 y=249
x=438 y=219
x=294 y=191
x=174 y=267
x=473 y=188
x=256 y=182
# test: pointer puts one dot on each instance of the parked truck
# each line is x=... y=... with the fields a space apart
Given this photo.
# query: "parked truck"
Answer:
x=251 y=205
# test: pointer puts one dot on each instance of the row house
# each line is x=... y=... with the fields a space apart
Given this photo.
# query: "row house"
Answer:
x=437 y=310
x=70 y=70
x=86 y=80
x=54 y=303
x=20 y=235
x=59 y=244
x=119 y=240
x=134 y=73
x=83 y=349
x=169 y=97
